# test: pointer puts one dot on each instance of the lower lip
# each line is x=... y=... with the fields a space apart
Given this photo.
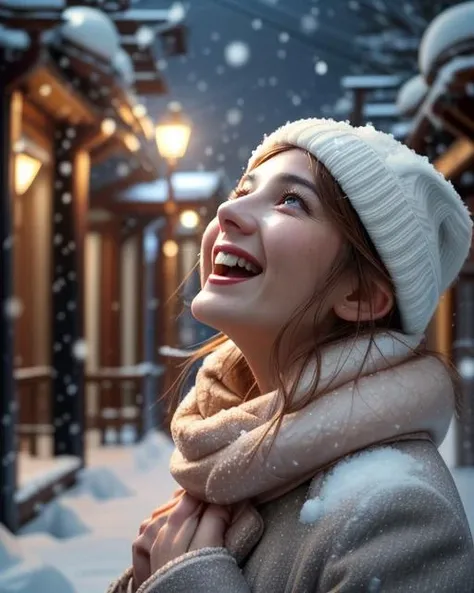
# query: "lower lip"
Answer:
x=223 y=280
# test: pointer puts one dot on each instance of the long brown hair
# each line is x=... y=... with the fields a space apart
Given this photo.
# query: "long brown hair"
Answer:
x=358 y=256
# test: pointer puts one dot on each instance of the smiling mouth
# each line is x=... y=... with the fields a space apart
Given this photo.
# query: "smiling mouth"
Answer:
x=234 y=271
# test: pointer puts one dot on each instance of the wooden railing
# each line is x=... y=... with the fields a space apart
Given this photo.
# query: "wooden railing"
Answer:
x=33 y=390
x=33 y=387
x=113 y=411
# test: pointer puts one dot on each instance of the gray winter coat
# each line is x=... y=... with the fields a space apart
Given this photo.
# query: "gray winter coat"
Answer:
x=412 y=536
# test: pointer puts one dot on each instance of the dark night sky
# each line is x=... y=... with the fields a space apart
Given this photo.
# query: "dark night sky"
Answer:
x=286 y=60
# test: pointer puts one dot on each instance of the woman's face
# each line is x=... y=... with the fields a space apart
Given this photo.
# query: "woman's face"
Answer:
x=277 y=220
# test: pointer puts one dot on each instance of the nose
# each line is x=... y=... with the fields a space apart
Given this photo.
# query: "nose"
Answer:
x=236 y=216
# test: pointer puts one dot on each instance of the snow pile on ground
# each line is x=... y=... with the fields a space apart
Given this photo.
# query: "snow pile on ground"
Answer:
x=24 y=573
x=81 y=542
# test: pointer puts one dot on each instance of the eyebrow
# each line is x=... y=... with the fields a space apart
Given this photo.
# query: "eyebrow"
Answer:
x=289 y=178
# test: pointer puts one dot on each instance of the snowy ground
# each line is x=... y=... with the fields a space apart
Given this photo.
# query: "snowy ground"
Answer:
x=82 y=541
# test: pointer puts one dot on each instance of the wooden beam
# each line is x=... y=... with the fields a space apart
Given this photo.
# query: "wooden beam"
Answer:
x=456 y=158
x=70 y=193
x=10 y=127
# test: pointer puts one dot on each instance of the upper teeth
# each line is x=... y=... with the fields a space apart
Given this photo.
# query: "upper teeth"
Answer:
x=228 y=259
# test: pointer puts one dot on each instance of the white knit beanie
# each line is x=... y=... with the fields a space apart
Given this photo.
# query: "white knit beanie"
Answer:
x=418 y=223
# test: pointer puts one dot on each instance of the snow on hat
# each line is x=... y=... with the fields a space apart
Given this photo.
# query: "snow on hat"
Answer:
x=418 y=223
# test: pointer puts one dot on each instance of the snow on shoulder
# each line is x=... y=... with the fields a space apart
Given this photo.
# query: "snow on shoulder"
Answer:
x=374 y=471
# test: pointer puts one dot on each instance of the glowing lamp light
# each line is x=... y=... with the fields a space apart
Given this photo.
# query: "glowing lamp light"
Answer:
x=132 y=142
x=189 y=219
x=170 y=248
x=26 y=170
x=172 y=134
x=108 y=126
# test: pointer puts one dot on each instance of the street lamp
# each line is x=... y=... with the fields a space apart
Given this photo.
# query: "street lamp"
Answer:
x=172 y=137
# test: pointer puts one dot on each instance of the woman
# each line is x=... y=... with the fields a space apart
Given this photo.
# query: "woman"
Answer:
x=307 y=450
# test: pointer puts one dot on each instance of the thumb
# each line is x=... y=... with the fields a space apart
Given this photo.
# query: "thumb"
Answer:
x=212 y=528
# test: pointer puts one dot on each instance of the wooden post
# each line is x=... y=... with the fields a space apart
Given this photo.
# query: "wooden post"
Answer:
x=10 y=126
x=110 y=392
x=463 y=355
x=69 y=349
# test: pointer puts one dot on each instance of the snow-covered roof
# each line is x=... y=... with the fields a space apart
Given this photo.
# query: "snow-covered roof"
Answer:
x=30 y=5
x=92 y=30
x=14 y=39
x=411 y=95
x=380 y=110
x=187 y=186
x=453 y=26
x=372 y=81
x=124 y=65
x=401 y=129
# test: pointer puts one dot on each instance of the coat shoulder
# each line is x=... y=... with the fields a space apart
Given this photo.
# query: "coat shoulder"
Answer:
x=392 y=511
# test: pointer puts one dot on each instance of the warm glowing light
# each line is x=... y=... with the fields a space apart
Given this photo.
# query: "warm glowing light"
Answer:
x=26 y=170
x=132 y=142
x=108 y=126
x=45 y=90
x=170 y=248
x=189 y=219
x=172 y=135
x=139 y=110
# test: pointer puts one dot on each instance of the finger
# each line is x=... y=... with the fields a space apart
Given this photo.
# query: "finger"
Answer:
x=141 y=564
x=212 y=528
x=173 y=540
x=186 y=506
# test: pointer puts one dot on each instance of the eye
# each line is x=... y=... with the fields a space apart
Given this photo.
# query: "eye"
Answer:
x=292 y=199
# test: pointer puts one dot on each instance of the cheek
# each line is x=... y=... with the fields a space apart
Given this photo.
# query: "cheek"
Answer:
x=208 y=239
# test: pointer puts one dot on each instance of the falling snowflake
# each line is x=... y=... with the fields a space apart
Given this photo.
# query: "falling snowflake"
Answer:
x=466 y=368
x=256 y=24
x=309 y=24
x=66 y=198
x=234 y=116
x=71 y=389
x=13 y=307
x=321 y=67
x=202 y=86
x=296 y=100
x=283 y=37
x=65 y=168
x=79 y=349
x=176 y=13
x=208 y=151
x=237 y=54
x=281 y=54
x=123 y=169
x=162 y=64
x=145 y=36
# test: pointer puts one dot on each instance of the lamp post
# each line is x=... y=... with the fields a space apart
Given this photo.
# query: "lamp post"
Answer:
x=172 y=137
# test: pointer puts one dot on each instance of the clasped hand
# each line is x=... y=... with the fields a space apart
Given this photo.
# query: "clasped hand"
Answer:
x=181 y=525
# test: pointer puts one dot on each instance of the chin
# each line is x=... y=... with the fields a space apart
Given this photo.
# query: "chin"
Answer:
x=217 y=314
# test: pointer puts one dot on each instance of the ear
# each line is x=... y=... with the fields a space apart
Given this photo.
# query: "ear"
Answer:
x=375 y=305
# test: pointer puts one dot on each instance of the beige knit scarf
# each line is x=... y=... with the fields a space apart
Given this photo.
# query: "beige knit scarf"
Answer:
x=215 y=430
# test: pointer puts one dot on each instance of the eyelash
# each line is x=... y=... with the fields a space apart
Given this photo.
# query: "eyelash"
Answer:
x=238 y=193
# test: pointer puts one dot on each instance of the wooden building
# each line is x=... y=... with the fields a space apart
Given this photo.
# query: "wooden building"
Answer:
x=441 y=107
x=70 y=77
x=433 y=113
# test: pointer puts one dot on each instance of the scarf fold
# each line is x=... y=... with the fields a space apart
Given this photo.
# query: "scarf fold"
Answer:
x=215 y=430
